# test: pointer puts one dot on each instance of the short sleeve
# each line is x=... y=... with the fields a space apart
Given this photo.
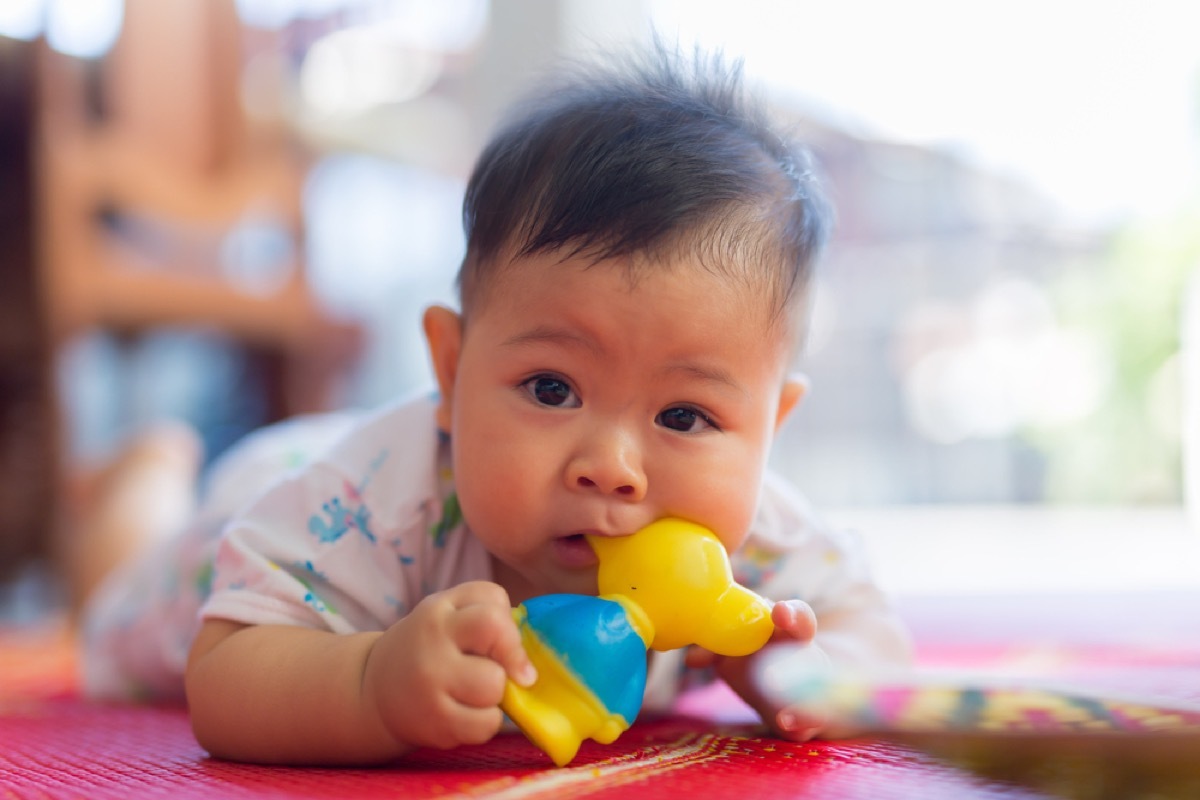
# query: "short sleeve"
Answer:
x=793 y=553
x=351 y=541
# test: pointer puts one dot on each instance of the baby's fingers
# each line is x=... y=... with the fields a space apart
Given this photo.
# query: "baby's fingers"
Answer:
x=478 y=725
x=696 y=657
x=476 y=682
x=794 y=621
x=459 y=725
x=798 y=724
x=490 y=631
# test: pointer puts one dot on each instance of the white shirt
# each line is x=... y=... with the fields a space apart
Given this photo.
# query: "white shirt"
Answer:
x=344 y=523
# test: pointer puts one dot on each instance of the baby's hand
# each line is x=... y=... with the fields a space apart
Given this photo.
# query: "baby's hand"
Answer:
x=795 y=623
x=436 y=677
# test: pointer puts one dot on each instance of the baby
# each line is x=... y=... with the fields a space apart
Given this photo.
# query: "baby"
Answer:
x=640 y=242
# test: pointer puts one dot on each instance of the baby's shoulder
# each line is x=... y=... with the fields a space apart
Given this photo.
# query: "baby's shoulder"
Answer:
x=348 y=441
x=784 y=513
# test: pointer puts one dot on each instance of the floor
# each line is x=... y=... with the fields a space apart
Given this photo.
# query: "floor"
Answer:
x=967 y=550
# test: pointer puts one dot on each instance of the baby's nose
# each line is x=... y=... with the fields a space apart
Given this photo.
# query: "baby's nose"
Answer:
x=610 y=463
x=615 y=486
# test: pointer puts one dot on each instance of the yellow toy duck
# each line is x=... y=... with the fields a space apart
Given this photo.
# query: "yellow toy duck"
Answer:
x=669 y=585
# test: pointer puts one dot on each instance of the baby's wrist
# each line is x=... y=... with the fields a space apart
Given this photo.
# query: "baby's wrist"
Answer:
x=372 y=703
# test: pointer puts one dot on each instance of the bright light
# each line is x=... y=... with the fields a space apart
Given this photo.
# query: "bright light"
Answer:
x=84 y=28
x=394 y=53
x=446 y=25
x=1164 y=399
x=1093 y=102
x=1068 y=376
x=352 y=71
x=269 y=14
x=21 y=19
x=1005 y=366
x=274 y=14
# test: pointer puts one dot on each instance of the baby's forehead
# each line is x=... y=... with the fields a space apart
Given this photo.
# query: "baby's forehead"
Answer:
x=650 y=277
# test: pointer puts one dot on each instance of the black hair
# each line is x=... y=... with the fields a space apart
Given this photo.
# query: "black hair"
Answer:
x=655 y=153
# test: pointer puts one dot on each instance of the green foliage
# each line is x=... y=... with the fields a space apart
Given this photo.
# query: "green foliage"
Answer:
x=1131 y=297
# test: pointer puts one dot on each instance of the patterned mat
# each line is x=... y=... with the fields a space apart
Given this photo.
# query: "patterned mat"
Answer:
x=65 y=748
x=53 y=744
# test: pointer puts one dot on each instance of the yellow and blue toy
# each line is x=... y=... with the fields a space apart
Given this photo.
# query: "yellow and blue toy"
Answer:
x=668 y=585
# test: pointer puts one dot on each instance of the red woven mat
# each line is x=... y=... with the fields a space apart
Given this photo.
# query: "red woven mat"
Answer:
x=55 y=745
x=68 y=749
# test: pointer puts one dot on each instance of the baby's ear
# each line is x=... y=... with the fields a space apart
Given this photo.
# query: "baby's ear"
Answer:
x=443 y=334
x=795 y=386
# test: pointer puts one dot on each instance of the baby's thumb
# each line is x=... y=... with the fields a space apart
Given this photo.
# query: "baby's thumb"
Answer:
x=696 y=657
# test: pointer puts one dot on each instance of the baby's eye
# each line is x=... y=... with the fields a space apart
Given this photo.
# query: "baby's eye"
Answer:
x=551 y=391
x=684 y=419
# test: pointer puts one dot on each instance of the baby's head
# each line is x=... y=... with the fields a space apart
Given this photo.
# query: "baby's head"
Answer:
x=640 y=242
x=659 y=157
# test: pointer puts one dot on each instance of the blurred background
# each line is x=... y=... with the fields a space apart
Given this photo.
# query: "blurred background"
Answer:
x=234 y=211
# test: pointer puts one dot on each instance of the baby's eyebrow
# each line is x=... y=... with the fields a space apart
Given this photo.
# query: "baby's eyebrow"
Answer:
x=707 y=373
x=549 y=334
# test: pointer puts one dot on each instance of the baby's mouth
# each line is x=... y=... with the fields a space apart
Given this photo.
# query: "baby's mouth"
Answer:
x=574 y=550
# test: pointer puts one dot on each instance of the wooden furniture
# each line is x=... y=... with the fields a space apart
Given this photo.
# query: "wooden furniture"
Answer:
x=28 y=421
x=150 y=137
x=155 y=134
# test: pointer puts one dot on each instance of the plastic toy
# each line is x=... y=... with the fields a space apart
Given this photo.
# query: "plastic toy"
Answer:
x=669 y=585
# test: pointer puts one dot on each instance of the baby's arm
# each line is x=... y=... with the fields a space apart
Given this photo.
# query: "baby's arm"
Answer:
x=850 y=624
x=290 y=695
x=843 y=639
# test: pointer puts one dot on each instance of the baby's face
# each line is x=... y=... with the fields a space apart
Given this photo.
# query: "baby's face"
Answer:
x=583 y=405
